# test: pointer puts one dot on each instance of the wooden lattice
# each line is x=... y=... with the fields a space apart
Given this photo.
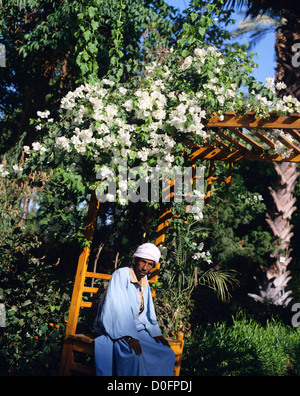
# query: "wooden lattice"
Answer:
x=249 y=138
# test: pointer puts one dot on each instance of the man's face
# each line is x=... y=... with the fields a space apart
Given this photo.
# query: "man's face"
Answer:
x=142 y=267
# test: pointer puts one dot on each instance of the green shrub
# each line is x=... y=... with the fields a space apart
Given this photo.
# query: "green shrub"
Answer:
x=35 y=299
x=243 y=348
x=36 y=308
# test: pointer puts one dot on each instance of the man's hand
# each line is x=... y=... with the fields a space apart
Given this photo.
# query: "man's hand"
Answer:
x=162 y=340
x=134 y=345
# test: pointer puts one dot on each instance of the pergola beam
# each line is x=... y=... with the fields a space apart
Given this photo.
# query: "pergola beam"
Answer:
x=247 y=139
x=216 y=154
x=273 y=121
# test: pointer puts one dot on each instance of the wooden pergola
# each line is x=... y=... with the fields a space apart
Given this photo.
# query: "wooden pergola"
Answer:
x=237 y=137
x=244 y=140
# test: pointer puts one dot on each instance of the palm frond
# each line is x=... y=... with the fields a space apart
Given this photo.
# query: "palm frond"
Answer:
x=258 y=28
x=262 y=22
x=237 y=4
x=220 y=281
x=256 y=7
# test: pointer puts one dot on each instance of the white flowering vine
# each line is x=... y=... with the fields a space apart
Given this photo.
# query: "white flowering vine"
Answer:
x=146 y=120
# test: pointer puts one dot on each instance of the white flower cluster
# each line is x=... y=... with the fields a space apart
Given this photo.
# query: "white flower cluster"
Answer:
x=258 y=198
x=270 y=84
x=288 y=104
x=38 y=147
x=224 y=94
x=44 y=114
x=188 y=109
x=3 y=171
x=152 y=102
x=200 y=55
x=108 y=115
x=263 y=106
x=16 y=168
x=200 y=254
x=252 y=200
x=280 y=148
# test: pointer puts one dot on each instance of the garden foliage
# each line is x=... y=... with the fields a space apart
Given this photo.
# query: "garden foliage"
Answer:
x=126 y=87
x=244 y=348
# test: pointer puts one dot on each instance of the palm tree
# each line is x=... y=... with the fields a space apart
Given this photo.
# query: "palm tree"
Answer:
x=285 y=16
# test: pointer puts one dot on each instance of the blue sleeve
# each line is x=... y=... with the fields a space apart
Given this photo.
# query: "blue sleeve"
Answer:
x=151 y=323
x=116 y=315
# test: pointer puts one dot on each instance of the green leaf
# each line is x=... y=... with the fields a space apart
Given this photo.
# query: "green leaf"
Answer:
x=87 y=35
x=27 y=302
x=181 y=42
x=120 y=73
x=92 y=11
x=194 y=16
x=43 y=329
x=85 y=55
x=92 y=48
x=201 y=31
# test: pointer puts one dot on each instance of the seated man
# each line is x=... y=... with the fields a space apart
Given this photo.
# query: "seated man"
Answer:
x=130 y=341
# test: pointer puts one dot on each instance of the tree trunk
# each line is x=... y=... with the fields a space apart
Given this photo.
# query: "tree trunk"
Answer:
x=273 y=287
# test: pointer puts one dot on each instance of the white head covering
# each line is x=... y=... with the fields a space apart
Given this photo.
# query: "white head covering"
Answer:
x=148 y=251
